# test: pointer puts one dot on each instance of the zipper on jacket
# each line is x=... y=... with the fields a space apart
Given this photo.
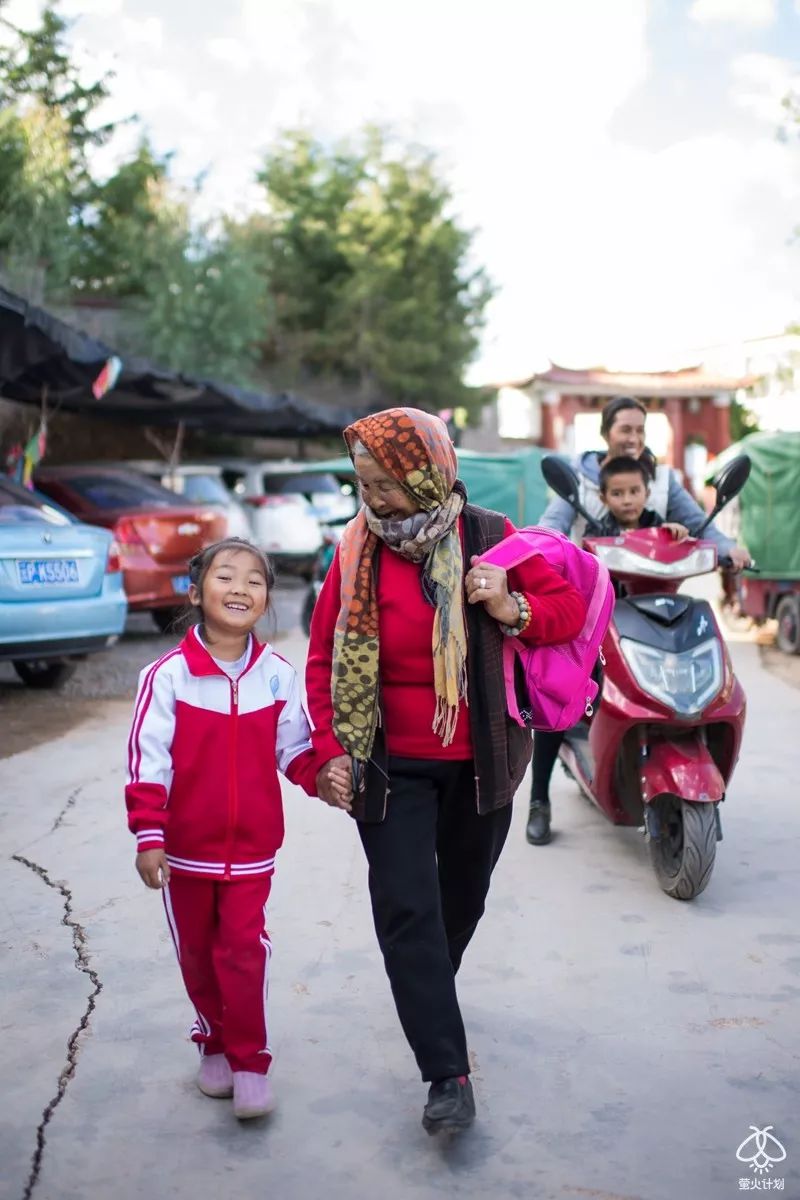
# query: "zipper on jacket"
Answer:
x=233 y=789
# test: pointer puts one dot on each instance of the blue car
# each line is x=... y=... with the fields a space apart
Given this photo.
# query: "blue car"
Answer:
x=61 y=593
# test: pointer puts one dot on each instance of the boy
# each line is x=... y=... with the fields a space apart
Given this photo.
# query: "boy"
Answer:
x=624 y=487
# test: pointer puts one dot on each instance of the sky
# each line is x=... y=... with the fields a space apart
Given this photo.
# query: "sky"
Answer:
x=621 y=162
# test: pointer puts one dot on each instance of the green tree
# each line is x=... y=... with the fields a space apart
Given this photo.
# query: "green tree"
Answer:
x=48 y=122
x=36 y=66
x=200 y=292
x=124 y=230
x=369 y=270
x=206 y=302
x=36 y=238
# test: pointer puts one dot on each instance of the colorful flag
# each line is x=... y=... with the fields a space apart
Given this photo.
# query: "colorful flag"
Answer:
x=15 y=460
x=107 y=377
x=33 y=454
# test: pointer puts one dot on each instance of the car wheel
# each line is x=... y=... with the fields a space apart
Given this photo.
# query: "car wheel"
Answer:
x=39 y=673
x=788 y=617
x=165 y=618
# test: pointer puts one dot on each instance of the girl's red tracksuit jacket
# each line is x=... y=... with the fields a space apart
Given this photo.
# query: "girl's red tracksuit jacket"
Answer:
x=203 y=759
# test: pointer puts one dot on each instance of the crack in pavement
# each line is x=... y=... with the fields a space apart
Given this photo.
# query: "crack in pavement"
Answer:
x=79 y=942
x=73 y=796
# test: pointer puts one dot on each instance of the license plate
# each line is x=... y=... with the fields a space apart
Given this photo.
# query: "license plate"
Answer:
x=48 y=570
x=180 y=584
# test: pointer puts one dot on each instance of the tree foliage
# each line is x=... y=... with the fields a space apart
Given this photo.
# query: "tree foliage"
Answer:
x=48 y=122
x=358 y=272
x=370 y=271
x=36 y=67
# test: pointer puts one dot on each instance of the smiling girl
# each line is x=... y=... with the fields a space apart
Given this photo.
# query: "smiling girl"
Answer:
x=215 y=720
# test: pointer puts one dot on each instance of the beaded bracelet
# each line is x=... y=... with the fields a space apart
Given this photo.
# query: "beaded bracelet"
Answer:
x=524 y=619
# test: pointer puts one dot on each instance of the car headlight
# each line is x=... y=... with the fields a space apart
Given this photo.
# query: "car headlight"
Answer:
x=620 y=558
x=685 y=682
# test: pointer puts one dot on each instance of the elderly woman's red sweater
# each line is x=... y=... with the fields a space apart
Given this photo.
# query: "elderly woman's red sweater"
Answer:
x=406 y=658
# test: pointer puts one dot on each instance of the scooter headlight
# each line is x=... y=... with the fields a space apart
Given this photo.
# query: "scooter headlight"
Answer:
x=685 y=682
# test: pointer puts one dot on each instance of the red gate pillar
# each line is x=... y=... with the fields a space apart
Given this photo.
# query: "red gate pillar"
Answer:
x=721 y=433
x=673 y=407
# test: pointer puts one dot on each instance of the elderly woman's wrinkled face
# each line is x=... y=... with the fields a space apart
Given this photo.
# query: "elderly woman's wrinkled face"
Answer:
x=380 y=492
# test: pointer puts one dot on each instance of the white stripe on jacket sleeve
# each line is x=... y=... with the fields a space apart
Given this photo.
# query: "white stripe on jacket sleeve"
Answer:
x=294 y=731
x=149 y=774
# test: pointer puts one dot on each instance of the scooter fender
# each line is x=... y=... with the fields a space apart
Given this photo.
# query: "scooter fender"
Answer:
x=681 y=768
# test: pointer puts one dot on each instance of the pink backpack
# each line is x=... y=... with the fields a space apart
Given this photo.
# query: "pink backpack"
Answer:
x=551 y=687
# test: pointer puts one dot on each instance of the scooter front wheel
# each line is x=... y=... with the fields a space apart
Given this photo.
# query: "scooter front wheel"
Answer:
x=683 y=855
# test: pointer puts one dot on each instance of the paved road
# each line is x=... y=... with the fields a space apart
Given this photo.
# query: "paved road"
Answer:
x=622 y=1043
x=29 y=718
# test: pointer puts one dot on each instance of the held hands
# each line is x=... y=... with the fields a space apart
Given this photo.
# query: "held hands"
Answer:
x=153 y=868
x=335 y=783
x=488 y=585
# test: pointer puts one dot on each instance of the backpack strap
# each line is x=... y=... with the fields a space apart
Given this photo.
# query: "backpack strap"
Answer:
x=512 y=551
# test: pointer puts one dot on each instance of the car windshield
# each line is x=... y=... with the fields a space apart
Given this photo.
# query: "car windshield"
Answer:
x=18 y=506
x=308 y=484
x=122 y=491
x=201 y=489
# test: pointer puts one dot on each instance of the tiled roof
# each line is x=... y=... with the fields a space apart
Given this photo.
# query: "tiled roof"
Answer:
x=597 y=381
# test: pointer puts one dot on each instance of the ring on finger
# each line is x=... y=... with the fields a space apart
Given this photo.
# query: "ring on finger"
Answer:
x=482 y=582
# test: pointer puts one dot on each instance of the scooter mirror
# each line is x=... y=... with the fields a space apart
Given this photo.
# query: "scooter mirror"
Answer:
x=561 y=478
x=731 y=479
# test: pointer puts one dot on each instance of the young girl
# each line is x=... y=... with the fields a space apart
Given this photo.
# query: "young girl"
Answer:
x=215 y=720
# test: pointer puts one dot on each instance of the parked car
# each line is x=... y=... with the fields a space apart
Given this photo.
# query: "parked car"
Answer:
x=156 y=531
x=282 y=523
x=61 y=592
x=331 y=500
x=199 y=483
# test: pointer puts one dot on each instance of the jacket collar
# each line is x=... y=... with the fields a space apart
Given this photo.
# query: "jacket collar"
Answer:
x=200 y=662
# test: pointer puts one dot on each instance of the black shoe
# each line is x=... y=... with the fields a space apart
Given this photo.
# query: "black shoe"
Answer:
x=538 y=828
x=451 y=1105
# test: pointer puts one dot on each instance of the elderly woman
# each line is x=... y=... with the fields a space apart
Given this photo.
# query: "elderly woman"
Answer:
x=405 y=686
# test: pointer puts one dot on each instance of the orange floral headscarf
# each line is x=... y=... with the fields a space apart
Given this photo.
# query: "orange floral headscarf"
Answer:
x=414 y=448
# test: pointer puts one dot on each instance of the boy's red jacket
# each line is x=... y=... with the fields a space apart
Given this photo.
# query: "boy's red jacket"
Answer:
x=203 y=759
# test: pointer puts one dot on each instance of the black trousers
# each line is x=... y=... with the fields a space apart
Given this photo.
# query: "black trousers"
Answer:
x=430 y=862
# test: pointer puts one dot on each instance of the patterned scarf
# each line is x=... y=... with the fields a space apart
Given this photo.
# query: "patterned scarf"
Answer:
x=414 y=448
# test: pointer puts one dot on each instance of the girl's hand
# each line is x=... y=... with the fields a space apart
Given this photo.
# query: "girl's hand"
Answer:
x=488 y=585
x=679 y=532
x=153 y=867
x=335 y=782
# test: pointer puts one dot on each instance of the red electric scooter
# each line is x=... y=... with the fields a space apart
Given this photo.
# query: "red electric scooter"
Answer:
x=661 y=747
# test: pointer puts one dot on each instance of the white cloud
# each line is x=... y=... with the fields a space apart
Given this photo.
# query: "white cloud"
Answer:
x=227 y=50
x=24 y=14
x=755 y=13
x=147 y=32
x=760 y=83
x=91 y=8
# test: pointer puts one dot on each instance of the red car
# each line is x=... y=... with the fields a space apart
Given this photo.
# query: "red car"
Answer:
x=156 y=531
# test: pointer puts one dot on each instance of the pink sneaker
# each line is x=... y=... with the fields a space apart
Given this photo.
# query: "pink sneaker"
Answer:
x=215 y=1077
x=252 y=1095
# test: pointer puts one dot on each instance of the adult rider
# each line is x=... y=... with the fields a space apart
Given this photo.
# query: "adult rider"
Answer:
x=623 y=429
